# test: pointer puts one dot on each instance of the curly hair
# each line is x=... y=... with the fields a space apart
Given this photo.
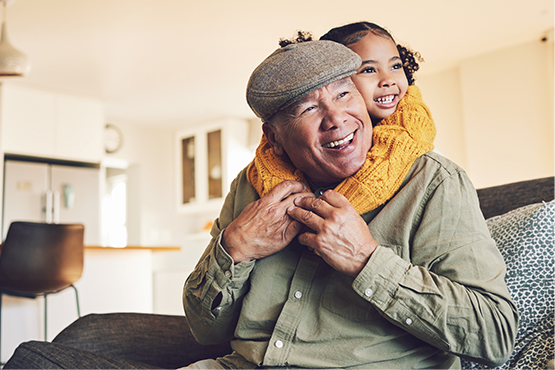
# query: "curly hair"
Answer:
x=354 y=32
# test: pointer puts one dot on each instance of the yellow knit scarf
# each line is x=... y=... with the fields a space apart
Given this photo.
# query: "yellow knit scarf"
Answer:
x=397 y=141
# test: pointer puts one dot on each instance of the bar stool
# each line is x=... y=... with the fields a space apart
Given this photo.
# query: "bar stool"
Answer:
x=38 y=259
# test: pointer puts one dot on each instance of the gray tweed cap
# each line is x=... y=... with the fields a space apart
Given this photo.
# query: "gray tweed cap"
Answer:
x=295 y=71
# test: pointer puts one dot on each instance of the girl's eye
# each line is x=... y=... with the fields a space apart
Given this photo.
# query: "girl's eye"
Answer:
x=368 y=70
x=397 y=66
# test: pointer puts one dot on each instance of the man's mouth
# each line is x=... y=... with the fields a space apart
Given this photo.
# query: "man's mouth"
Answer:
x=385 y=99
x=340 y=143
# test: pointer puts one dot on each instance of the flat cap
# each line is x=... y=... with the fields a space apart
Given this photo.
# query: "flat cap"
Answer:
x=295 y=71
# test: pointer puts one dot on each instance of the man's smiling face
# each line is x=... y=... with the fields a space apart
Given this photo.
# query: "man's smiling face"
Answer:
x=325 y=134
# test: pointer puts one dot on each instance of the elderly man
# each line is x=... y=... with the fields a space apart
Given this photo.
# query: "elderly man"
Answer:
x=332 y=252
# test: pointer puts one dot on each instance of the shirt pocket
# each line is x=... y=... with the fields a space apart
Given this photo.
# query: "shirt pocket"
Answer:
x=339 y=298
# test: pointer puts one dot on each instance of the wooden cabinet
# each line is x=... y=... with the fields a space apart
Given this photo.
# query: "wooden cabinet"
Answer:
x=208 y=158
x=46 y=124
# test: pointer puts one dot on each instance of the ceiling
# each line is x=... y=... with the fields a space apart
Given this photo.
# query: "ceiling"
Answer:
x=174 y=62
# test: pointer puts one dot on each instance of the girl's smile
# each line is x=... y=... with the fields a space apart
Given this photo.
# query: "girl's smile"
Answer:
x=387 y=101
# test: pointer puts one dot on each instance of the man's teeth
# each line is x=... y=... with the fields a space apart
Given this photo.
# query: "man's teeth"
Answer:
x=333 y=144
x=385 y=99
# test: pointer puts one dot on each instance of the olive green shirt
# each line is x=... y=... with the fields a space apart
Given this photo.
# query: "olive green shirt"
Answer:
x=433 y=289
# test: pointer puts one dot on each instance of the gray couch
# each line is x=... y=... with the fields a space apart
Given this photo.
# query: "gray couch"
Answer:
x=518 y=215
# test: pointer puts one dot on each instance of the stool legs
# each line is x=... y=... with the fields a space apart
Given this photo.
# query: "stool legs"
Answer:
x=45 y=316
x=76 y=300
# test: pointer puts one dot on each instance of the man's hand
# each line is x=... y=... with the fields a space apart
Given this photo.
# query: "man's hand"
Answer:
x=264 y=227
x=338 y=234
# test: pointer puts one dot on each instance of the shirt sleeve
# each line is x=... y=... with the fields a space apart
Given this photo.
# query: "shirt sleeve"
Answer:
x=452 y=293
x=213 y=292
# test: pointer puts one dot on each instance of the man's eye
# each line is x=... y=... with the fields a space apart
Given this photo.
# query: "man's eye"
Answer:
x=307 y=110
x=344 y=93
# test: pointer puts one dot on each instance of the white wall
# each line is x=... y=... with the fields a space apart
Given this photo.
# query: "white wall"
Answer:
x=148 y=152
x=153 y=219
x=442 y=93
x=494 y=113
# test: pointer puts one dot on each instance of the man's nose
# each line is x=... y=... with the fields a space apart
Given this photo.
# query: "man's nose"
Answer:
x=335 y=117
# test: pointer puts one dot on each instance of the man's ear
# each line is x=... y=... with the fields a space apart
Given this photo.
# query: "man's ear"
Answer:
x=270 y=133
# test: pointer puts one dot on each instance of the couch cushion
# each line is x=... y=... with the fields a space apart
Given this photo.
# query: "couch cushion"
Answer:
x=163 y=341
x=525 y=237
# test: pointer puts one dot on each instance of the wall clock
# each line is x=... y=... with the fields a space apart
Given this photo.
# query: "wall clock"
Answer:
x=113 y=138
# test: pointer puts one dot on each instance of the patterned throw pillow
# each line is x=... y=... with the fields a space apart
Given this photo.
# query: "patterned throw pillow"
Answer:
x=525 y=237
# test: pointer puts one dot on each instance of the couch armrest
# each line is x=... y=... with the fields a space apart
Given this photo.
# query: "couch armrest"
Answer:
x=160 y=340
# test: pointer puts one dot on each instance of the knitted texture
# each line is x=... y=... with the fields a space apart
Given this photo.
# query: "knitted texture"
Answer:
x=397 y=141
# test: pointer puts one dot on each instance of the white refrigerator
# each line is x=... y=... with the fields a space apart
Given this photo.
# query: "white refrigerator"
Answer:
x=53 y=193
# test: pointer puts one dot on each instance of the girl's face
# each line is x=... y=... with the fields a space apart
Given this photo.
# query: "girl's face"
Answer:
x=380 y=79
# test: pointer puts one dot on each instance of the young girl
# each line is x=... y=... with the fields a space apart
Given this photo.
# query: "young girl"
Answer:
x=387 y=68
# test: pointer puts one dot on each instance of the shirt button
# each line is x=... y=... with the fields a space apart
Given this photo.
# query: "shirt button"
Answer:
x=408 y=321
x=298 y=295
x=278 y=344
x=368 y=292
x=228 y=274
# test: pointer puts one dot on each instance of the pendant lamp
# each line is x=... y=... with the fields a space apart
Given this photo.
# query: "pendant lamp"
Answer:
x=12 y=61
